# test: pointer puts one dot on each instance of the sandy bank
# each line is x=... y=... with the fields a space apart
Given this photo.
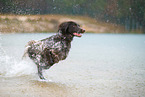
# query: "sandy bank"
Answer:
x=49 y=23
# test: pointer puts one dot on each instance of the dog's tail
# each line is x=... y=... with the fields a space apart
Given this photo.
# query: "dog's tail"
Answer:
x=29 y=45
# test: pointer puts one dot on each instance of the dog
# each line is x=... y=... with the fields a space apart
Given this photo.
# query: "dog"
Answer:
x=46 y=52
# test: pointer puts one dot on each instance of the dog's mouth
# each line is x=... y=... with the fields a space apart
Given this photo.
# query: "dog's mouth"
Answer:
x=79 y=34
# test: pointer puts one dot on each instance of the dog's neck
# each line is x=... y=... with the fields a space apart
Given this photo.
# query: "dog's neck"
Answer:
x=66 y=37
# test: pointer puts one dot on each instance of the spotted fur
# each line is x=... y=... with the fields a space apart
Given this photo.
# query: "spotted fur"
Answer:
x=51 y=50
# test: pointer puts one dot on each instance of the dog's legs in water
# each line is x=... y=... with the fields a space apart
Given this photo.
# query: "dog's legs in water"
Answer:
x=40 y=72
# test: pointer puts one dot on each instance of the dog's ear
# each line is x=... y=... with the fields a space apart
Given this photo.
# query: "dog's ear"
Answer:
x=63 y=27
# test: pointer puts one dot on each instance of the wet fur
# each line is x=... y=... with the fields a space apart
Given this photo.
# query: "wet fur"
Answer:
x=49 y=51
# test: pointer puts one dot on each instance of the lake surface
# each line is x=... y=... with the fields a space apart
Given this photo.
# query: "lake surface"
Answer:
x=98 y=65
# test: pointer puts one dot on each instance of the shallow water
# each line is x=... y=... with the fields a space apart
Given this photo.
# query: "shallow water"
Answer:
x=98 y=65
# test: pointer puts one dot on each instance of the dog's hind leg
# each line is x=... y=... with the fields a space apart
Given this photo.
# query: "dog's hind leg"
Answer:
x=40 y=72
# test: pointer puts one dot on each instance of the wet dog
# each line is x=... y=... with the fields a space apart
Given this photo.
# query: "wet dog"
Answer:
x=49 y=51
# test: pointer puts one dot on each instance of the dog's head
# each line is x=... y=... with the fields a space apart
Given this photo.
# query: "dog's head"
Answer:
x=71 y=28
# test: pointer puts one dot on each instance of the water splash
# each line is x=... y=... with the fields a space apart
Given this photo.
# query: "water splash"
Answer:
x=11 y=67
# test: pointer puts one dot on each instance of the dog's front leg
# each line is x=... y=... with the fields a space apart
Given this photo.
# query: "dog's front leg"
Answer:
x=40 y=72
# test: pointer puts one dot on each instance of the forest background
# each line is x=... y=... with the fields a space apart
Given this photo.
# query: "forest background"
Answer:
x=128 y=14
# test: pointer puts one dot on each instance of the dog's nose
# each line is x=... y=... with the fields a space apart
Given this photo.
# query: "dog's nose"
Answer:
x=83 y=30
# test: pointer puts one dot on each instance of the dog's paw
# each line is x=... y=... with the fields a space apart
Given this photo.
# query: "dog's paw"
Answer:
x=45 y=80
x=42 y=80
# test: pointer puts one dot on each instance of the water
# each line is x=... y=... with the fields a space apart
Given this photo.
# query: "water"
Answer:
x=98 y=65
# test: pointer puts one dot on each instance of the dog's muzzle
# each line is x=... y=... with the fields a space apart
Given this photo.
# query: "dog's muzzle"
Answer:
x=79 y=34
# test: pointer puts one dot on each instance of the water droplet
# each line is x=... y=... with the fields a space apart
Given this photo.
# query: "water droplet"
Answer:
x=107 y=21
x=54 y=8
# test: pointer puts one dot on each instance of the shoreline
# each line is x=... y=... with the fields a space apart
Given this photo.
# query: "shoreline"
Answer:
x=50 y=23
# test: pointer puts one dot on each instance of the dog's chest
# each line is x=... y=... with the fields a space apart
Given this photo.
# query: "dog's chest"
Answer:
x=59 y=49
